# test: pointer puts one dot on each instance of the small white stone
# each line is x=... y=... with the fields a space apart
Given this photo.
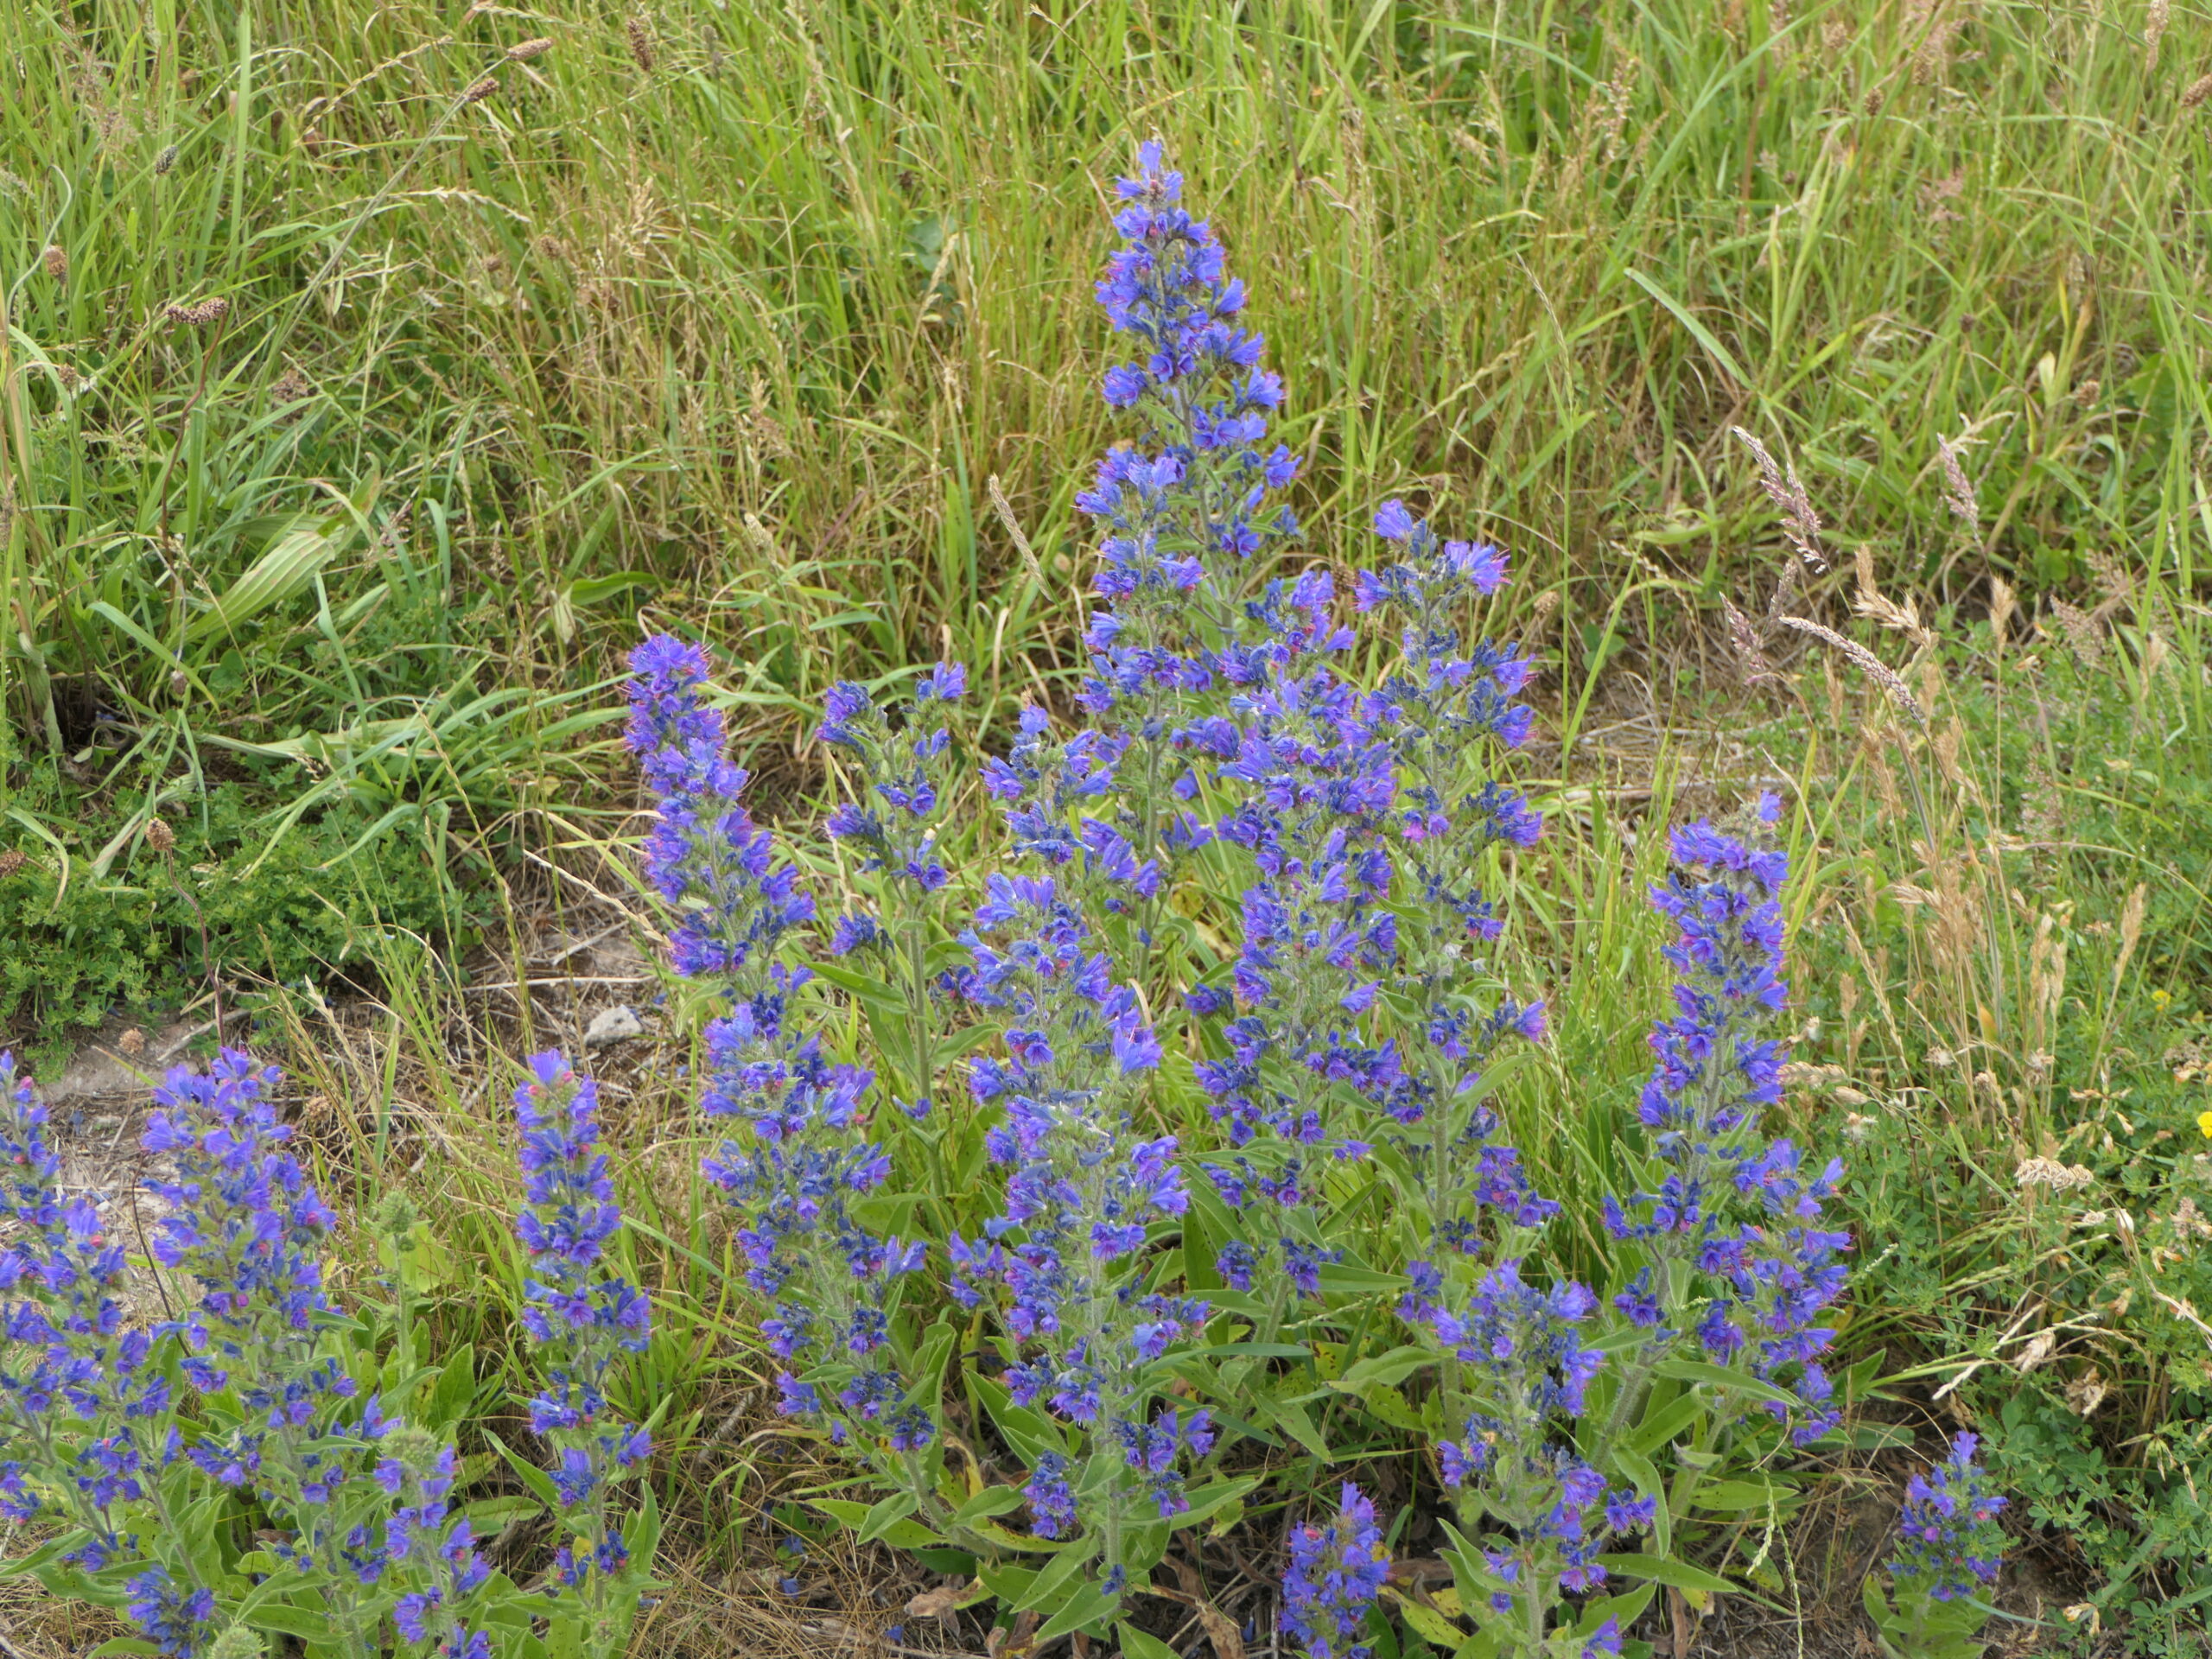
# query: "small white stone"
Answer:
x=615 y=1025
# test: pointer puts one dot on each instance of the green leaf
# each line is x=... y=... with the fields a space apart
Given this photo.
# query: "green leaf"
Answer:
x=1345 y=1279
x=1211 y=1498
x=540 y=1483
x=116 y=1646
x=992 y=1500
x=1669 y=1421
x=1007 y=1579
x=1876 y=1604
x=1090 y=1606
x=642 y=1534
x=886 y=1514
x=1029 y=1433
x=1050 y=1586
x=591 y=590
x=456 y=1387
x=1725 y=1376
x=295 y=555
x=1881 y=1437
x=1698 y=332
x=1429 y=1624
x=1624 y=1608
x=1290 y=1417
x=1732 y=1495
x=1135 y=1644
x=1389 y=1368
x=900 y=1534
x=287 y=1620
x=1665 y=1569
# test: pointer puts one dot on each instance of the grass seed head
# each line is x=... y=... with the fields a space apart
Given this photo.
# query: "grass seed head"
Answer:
x=641 y=44
x=526 y=51
x=199 y=315
x=2196 y=92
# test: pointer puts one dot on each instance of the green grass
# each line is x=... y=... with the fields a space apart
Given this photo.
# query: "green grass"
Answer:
x=732 y=331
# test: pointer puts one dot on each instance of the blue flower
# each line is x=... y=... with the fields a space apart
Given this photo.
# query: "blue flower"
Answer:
x=1948 y=1543
x=1335 y=1577
x=577 y=1307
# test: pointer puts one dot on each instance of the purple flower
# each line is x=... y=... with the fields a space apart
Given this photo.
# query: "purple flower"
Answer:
x=1948 y=1543
x=581 y=1312
x=1335 y=1577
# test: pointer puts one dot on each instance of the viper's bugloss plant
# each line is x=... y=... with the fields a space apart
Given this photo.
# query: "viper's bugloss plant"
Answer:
x=1196 y=487
x=903 y=775
x=801 y=1155
x=1949 y=1550
x=584 y=1316
x=1228 y=1193
x=1334 y=1579
x=242 y=1469
x=1065 y=1262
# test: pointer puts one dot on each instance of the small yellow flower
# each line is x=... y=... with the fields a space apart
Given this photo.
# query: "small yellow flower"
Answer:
x=2204 y=1122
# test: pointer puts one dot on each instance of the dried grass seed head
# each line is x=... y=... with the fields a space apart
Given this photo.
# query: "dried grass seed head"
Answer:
x=1800 y=524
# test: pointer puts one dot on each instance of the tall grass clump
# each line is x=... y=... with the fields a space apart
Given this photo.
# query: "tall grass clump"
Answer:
x=368 y=368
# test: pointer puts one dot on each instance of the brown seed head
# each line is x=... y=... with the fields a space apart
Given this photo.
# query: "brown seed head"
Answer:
x=166 y=160
x=482 y=90
x=525 y=50
x=199 y=315
x=10 y=862
x=2196 y=92
x=641 y=44
x=160 y=837
x=56 y=261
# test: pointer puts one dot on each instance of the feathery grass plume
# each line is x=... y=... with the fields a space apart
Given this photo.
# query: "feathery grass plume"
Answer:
x=1869 y=602
x=1748 y=641
x=1958 y=494
x=1800 y=524
x=1875 y=668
